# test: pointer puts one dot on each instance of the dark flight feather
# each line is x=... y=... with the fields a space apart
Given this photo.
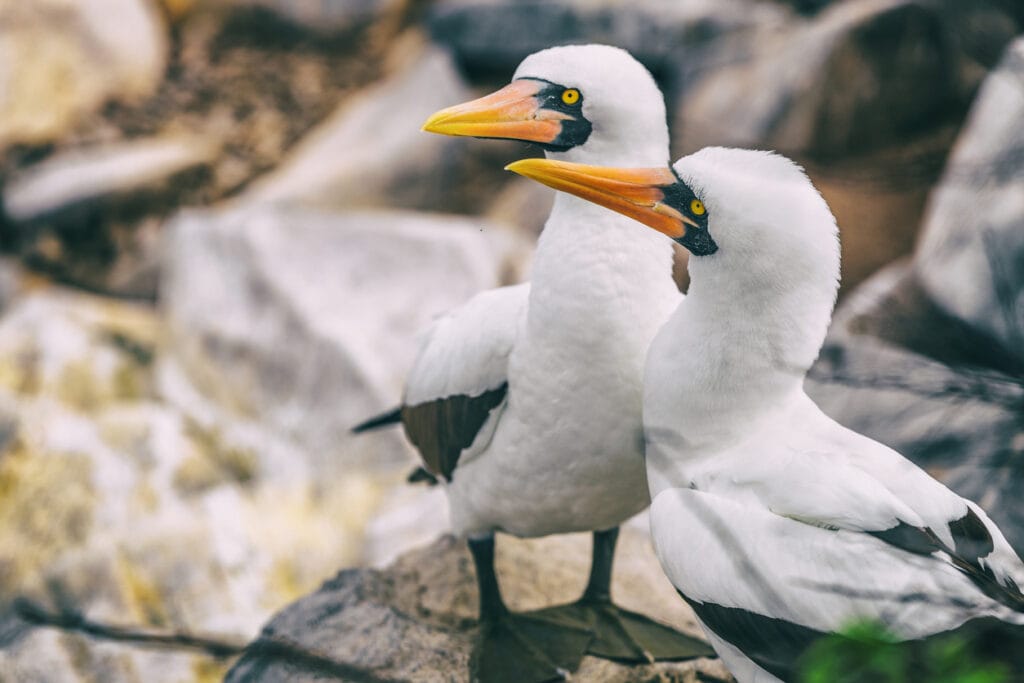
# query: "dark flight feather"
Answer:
x=443 y=428
x=971 y=543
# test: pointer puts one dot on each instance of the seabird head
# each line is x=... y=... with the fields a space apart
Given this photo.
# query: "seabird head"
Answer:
x=582 y=103
x=734 y=207
x=760 y=232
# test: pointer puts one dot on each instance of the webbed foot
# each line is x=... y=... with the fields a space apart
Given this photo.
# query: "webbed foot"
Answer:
x=626 y=636
x=520 y=648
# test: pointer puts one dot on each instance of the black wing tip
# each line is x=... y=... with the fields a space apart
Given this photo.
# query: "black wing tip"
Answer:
x=391 y=417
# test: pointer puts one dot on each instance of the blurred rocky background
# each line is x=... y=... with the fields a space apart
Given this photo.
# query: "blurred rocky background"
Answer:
x=222 y=229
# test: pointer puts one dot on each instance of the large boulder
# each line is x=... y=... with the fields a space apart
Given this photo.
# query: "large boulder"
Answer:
x=60 y=59
x=897 y=368
x=121 y=509
x=868 y=95
x=306 y=322
x=927 y=357
x=371 y=151
x=80 y=214
x=416 y=620
x=971 y=256
x=902 y=69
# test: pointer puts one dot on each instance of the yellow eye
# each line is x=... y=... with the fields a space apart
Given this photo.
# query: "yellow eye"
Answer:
x=571 y=96
x=697 y=207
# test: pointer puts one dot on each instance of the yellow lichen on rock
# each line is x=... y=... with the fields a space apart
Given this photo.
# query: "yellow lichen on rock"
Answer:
x=213 y=462
x=140 y=593
x=64 y=58
x=207 y=670
x=47 y=503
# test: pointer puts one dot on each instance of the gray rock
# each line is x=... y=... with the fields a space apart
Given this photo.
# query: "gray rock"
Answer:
x=118 y=507
x=901 y=75
x=64 y=59
x=10 y=282
x=415 y=621
x=491 y=37
x=971 y=256
x=306 y=322
x=85 y=215
x=900 y=370
x=371 y=151
x=329 y=15
x=64 y=182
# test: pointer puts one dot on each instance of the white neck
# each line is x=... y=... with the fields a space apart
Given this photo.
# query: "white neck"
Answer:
x=732 y=357
x=601 y=287
x=589 y=254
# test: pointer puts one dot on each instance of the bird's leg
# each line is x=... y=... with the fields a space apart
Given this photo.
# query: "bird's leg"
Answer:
x=518 y=648
x=492 y=606
x=599 y=586
x=620 y=634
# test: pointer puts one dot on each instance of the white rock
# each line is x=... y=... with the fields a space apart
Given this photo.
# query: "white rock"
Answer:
x=371 y=152
x=971 y=256
x=89 y=173
x=60 y=59
x=306 y=322
x=132 y=513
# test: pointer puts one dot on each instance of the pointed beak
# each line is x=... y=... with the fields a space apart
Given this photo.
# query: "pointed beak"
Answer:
x=634 y=192
x=514 y=112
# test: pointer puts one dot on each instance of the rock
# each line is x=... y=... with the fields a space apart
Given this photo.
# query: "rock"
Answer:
x=64 y=182
x=371 y=151
x=116 y=506
x=60 y=59
x=10 y=282
x=927 y=357
x=902 y=75
x=81 y=215
x=491 y=37
x=971 y=255
x=406 y=518
x=329 y=15
x=902 y=371
x=306 y=322
x=416 y=620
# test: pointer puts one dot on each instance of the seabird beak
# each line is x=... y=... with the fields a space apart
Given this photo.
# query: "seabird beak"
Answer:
x=634 y=192
x=514 y=112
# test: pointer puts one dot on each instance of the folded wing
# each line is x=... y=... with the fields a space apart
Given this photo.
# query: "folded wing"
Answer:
x=459 y=382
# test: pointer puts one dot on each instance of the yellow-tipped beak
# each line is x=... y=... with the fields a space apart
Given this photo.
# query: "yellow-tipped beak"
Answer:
x=510 y=113
x=633 y=192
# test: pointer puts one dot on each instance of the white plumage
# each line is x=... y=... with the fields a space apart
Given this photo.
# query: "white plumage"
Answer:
x=761 y=502
x=564 y=452
x=527 y=400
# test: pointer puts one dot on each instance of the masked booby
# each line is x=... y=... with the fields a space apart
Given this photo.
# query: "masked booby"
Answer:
x=526 y=400
x=775 y=523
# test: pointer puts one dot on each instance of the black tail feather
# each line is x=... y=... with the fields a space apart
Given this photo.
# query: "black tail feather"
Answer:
x=391 y=417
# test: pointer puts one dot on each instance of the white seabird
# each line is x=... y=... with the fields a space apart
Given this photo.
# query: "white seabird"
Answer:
x=526 y=401
x=775 y=523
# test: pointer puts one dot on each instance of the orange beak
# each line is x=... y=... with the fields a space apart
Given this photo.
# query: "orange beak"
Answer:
x=512 y=113
x=633 y=192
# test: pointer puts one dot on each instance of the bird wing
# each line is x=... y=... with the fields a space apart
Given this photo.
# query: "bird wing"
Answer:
x=459 y=381
x=824 y=475
x=770 y=585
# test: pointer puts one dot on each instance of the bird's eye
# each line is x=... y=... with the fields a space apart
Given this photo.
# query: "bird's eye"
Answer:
x=697 y=207
x=571 y=96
